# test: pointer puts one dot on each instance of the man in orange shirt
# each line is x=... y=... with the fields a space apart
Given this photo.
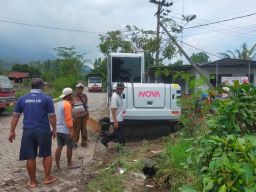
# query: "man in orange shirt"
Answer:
x=65 y=130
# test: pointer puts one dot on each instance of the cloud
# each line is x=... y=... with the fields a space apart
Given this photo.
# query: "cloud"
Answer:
x=100 y=16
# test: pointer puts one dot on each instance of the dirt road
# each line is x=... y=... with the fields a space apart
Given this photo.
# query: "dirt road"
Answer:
x=13 y=175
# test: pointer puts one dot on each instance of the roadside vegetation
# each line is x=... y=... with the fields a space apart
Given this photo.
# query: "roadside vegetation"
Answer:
x=65 y=71
x=215 y=150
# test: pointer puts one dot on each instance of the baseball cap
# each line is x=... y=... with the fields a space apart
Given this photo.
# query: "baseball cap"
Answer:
x=120 y=85
x=80 y=85
x=66 y=91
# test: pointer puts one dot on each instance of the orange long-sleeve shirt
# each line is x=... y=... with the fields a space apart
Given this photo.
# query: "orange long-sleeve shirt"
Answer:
x=68 y=114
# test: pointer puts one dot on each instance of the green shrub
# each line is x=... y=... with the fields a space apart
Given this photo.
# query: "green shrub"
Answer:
x=194 y=113
x=225 y=156
x=60 y=83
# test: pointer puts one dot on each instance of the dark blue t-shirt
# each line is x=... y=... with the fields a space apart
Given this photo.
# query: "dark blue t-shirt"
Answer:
x=35 y=106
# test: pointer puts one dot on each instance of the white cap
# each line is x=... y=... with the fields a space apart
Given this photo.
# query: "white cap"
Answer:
x=80 y=85
x=66 y=91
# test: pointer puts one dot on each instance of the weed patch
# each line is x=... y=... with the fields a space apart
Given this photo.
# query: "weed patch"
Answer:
x=105 y=180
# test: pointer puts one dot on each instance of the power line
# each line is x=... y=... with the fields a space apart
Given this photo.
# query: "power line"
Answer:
x=46 y=27
x=200 y=49
x=238 y=34
x=192 y=47
x=221 y=21
x=225 y=30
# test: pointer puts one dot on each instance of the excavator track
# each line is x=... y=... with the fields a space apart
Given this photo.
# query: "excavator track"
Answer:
x=136 y=130
x=148 y=129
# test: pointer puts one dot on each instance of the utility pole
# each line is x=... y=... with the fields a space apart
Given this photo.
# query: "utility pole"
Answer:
x=160 y=4
x=196 y=68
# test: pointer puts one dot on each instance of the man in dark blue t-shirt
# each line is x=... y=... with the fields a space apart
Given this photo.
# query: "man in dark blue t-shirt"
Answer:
x=38 y=111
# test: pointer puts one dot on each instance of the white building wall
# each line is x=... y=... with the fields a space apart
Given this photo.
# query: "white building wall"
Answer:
x=235 y=71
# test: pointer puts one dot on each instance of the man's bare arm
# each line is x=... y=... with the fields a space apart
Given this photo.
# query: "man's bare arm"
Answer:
x=14 y=122
x=52 y=119
x=113 y=111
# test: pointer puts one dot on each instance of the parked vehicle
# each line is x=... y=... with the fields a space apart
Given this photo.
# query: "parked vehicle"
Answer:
x=7 y=93
x=94 y=84
x=142 y=101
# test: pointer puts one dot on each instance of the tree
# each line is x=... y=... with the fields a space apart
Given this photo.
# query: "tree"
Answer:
x=177 y=63
x=68 y=61
x=49 y=70
x=149 y=43
x=65 y=71
x=134 y=39
x=200 y=57
x=114 y=41
x=20 y=67
x=29 y=68
x=100 y=67
x=245 y=53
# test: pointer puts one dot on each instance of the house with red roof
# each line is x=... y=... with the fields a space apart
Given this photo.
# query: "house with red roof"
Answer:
x=17 y=76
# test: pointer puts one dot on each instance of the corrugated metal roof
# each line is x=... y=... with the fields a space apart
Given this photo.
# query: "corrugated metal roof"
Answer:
x=18 y=74
x=229 y=63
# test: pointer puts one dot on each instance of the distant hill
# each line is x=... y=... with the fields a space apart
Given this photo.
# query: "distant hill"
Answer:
x=5 y=66
x=86 y=69
x=12 y=54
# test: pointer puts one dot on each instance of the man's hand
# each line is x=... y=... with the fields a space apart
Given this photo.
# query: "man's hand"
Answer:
x=115 y=125
x=87 y=116
x=12 y=136
x=14 y=122
x=72 y=133
x=54 y=133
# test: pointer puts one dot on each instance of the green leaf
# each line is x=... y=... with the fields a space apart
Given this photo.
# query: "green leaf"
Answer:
x=213 y=165
x=250 y=189
x=187 y=188
x=251 y=139
x=208 y=183
x=223 y=188
x=236 y=83
x=217 y=152
x=248 y=175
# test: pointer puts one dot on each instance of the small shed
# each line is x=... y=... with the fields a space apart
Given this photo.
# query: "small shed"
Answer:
x=17 y=76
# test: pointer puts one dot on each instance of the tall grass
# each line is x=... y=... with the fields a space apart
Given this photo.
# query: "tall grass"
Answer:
x=106 y=180
x=170 y=171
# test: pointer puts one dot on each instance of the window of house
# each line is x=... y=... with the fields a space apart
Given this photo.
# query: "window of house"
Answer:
x=223 y=75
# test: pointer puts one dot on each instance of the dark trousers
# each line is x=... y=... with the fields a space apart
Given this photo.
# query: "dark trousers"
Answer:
x=117 y=134
x=80 y=125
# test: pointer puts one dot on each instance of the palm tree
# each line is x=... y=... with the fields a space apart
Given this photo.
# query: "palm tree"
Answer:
x=245 y=53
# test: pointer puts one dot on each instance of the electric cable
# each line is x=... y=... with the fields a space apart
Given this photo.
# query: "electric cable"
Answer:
x=221 y=21
x=47 y=27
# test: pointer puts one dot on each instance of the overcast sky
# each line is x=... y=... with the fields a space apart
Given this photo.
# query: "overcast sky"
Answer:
x=99 y=16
